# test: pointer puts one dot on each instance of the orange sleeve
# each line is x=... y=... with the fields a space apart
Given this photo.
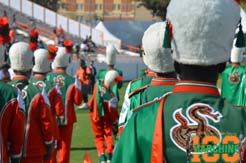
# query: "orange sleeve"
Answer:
x=16 y=130
x=56 y=102
x=79 y=74
x=88 y=71
x=45 y=120
x=77 y=95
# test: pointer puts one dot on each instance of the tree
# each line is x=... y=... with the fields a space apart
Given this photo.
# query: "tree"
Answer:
x=158 y=7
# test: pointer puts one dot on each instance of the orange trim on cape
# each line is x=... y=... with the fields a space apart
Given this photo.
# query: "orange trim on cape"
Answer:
x=20 y=77
x=235 y=64
x=92 y=103
x=157 y=153
x=163 y=81
x=138 y=90
x=151 y=74
x=58 y=71
x=95 y=108
x=37 y=76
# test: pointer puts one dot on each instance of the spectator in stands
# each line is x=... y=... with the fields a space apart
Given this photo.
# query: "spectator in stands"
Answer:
x=14 y=25
x=54 y=36
x=61 y=35
x=86 y=39
x=77 y=48
x=84 y=47
x=91 y=44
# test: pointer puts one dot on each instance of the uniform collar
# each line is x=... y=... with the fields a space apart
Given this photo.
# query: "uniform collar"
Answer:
x=20 y=77
x=39 y=76
x=58 y=71
x=235 y=64
x=196 y=87
x=158 y=81
x=150 y=73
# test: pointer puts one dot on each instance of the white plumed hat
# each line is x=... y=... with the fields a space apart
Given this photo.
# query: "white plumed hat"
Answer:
x=111 y=52
x=21 y=57
x=203 y=30
x=61 y=59
x=2 y=51
x=42 y=63
x=239 y=47
x=156 y=57
x=110 y=77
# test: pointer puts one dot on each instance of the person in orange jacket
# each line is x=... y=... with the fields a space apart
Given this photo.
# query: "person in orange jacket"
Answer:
x=84 y=75
x=12 y=121
x=71 y=94
x=38 y=129
x=43 y=59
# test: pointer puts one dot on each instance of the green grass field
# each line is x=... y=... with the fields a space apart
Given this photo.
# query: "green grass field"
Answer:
x=83 y=139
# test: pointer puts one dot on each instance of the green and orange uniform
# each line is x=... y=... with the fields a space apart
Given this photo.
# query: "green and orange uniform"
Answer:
x=158 y=131
x=12 y=124
x=231 y=81
x=71 y=95
x=38 y=126
x=56 y=106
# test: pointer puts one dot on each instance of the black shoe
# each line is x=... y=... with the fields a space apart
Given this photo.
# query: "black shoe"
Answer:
x=109 y=157
x=102 y=158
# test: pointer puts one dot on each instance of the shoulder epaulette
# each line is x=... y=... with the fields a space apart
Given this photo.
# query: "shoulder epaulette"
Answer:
x=152 y=102
x=137 y=91
x=146 y=104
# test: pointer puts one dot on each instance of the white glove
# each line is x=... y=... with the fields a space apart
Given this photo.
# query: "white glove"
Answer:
x=113 y=102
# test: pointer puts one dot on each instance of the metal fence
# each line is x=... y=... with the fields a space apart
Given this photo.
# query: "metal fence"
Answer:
x=53 y=19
